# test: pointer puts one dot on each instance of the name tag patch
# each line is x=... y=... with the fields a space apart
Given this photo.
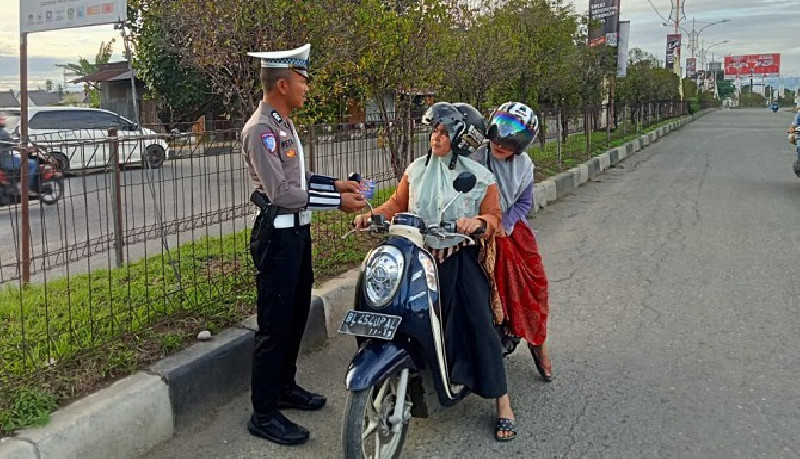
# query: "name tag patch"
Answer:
x=268 y=139
x=287 y=143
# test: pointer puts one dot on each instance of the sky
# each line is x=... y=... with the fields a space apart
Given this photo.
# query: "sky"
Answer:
x=756 y=26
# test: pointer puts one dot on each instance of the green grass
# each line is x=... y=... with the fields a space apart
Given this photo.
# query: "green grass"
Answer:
x=69 y=336
x=28 y=407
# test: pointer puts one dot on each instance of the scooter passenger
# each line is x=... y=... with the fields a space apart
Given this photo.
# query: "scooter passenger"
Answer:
x=793 y=136
x=11 y=162
x=474 y=351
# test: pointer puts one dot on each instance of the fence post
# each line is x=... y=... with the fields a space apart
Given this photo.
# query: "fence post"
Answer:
x=312 y=158
x=558 y=138
x=116 y=195
x=25 y=230
x=609 y=120
x=587 y=129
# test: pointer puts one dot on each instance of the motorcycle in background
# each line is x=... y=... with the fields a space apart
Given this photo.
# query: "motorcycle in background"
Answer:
x=50 y=180
x=400 y=370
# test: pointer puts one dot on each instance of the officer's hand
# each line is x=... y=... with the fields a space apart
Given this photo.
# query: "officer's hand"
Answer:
x=362 y=221
x=469 y=225
x=352 y=202
x=346 y=186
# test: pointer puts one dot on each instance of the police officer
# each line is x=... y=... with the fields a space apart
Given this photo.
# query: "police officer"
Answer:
x=280 y=243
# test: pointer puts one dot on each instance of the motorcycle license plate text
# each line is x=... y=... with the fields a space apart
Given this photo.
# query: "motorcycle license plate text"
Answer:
x=370 y=324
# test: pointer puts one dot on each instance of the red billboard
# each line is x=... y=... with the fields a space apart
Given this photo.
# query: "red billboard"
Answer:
x=753 y=64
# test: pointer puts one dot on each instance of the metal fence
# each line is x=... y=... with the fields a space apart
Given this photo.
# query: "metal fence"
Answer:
x=129 y=246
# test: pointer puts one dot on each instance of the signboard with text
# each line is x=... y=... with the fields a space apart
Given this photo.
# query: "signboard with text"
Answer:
x=691 y=68
x=673 y=49
x=603 y=22
x=42 y=15
x=768 y=64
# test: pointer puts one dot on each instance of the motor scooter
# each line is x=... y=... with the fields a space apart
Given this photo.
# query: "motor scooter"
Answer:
x=50 y=180
x=794 y=134
x=400 y=370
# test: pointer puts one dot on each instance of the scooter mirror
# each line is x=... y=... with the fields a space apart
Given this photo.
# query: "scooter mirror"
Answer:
x=465 y=182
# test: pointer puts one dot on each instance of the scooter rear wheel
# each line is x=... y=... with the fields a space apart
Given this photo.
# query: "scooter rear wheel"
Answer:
x=366 y=429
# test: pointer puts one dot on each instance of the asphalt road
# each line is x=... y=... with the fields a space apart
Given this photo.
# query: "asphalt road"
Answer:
x=674 y=328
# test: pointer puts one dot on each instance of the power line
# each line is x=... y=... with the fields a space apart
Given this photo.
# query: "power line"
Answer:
x=656 y=10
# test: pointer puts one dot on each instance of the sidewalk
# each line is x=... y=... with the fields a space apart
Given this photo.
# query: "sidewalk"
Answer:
x=134 y=415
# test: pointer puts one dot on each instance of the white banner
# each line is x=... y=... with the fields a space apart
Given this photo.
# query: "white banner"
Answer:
x=622 y=48
x=41 y=15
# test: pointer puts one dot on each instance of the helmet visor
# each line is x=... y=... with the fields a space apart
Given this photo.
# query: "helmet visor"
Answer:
x=509 y=132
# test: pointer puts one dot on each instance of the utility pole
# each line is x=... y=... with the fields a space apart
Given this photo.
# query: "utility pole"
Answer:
x=677 y=59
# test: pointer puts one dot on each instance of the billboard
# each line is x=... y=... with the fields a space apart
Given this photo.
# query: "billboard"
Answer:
x=622 y=48
x=752 y=64
x=691 y=68
x=673 y=49
x=715 y=67
x=603 y=22
x=41 y=15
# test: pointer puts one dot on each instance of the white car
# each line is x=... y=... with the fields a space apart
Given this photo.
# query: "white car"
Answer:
x=78 y=137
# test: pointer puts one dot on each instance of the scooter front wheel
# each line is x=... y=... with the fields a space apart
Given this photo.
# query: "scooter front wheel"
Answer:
x=371 y=427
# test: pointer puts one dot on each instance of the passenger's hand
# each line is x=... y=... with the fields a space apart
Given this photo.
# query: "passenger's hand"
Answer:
x=362 y=221
x=469 y=225
x=501 y=232
x=352 y=202
x=346 y=186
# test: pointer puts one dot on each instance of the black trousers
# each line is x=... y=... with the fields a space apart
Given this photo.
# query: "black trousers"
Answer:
x=474 y=351
x=283 y=298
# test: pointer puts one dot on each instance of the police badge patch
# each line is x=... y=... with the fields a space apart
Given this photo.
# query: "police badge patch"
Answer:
x=268 y=139
x=277 y=116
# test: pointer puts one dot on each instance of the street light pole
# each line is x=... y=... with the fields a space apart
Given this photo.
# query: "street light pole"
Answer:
x=677 y=58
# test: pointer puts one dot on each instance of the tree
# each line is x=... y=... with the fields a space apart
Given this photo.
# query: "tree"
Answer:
x=390 y=52
x=85 y=67
x=181 y=90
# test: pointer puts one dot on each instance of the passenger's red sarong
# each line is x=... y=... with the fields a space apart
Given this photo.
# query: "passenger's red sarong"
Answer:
x=522 y=284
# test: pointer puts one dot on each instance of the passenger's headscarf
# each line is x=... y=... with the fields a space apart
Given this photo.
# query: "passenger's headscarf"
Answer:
x=512 y=175
x=431 y=187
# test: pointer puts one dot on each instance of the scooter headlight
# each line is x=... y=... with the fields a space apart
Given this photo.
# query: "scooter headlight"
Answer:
x=382 y=274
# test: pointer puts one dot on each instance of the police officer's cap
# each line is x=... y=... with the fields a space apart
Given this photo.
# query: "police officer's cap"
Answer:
x=293 y=59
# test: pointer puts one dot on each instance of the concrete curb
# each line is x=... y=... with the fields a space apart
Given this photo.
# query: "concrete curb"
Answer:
x=135 y=414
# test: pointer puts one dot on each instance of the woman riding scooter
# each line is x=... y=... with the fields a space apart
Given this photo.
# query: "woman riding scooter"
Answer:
x=474 y=352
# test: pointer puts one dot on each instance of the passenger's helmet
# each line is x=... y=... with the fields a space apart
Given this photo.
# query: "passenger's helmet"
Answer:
x=513 y=126
x=475 y=132
x=445 y=113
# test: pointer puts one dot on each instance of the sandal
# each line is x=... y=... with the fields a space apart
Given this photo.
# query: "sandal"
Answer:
x=504 y=425
x=542 y=362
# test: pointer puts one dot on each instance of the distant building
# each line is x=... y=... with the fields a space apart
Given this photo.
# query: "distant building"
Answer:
x=8 y=99
x=40 y=98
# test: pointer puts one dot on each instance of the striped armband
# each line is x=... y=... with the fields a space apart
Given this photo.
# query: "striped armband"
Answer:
x=322 y=183
x=322 y=200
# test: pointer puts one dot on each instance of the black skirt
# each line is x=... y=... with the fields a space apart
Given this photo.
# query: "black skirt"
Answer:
x=474 y=352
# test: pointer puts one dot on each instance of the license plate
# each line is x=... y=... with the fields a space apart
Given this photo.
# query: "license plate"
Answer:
x=370 y=324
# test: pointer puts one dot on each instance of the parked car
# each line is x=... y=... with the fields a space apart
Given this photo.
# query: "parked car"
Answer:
x=77 y=138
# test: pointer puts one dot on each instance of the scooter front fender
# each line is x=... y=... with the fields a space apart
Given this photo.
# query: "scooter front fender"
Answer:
x=375 y=361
